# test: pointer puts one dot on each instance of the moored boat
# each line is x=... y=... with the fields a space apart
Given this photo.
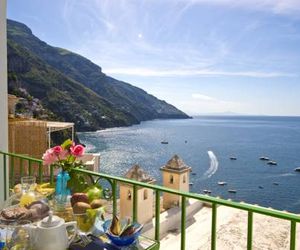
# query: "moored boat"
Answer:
x=222 y=183
x=272 y=163
x=206 y=191
x=233 y=191
x=264 y=158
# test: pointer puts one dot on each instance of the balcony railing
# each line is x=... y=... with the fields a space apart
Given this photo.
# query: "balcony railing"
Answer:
x=9 y=159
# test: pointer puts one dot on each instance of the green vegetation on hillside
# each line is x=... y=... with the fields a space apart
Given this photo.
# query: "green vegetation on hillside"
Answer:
x=72 y=88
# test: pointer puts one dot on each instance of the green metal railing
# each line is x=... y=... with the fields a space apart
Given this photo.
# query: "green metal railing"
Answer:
x=26 y=166
x=113 y=180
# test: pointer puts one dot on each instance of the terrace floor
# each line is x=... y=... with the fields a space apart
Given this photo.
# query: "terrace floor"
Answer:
x=268 y=232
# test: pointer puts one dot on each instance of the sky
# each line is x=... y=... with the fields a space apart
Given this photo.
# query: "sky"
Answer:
x=203 y=56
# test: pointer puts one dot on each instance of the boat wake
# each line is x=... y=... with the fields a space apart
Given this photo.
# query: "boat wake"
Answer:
x=214 y=164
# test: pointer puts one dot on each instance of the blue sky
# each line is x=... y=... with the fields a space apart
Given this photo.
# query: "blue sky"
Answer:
x=203 y=56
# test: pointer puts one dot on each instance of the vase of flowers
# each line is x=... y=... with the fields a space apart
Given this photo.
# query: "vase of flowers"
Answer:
x=66 y=157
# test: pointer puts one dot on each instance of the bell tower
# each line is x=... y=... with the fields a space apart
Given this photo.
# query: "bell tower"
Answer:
x=176 y=175
x=144 y=196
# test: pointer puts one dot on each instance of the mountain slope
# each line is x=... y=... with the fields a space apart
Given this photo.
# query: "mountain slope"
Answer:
x=58 y=77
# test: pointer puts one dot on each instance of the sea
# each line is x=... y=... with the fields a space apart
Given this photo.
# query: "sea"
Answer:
x=206 y=144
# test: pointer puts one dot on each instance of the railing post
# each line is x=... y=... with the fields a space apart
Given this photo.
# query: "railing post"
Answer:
x=134 y=213
x=213 y=226
x=29 y=167
x=250 y=230
x=293 y=236
x=183 y=221
x=157 y=214
x=114 y=196
x=21 y=167
x=5 y=176
x=12 y=171
x=51 y=174
x=40 y=173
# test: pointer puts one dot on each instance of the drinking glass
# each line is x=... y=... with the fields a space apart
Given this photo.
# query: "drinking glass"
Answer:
x=28 y=183
x=19 y=235
x=85 y=222
x=28 y=194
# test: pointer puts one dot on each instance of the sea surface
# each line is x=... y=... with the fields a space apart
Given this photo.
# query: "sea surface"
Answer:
x=206 y=144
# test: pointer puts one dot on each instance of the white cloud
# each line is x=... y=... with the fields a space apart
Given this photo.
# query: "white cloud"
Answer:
x=192 y=72
x=200 y=103
x=209 y=99
x=204 y=97
x=275 y=6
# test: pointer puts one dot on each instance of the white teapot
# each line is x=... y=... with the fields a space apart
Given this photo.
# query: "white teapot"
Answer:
x=51 y=233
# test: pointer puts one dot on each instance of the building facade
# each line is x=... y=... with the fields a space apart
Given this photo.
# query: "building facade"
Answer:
x=145 y=196
x=176 y=175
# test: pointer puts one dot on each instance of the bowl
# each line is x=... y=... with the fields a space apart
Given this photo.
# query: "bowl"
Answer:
x=124 y=240
x=85 y=221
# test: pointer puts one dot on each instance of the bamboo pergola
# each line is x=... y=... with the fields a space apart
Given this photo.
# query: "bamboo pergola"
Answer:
x=33 y=137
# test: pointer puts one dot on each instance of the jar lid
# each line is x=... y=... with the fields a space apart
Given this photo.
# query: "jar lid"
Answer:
x=51 y=220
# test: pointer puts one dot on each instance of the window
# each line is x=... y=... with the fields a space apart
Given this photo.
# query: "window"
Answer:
x=145 y=194
x=171 y=179
x=184 y=179
x=129 y=195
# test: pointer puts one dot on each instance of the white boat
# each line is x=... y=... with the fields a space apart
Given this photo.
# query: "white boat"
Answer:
x=191 y=183
x=264 y=158
x=222 y=183
x=272 y=163
x=206 y=191
x=233 y=191
x=297 y=169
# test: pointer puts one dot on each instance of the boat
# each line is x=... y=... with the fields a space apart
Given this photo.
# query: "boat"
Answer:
x=206 y=191
x=233 y=191
x=272 y=163
x=275 y=183
x=264 y=158
x=233 y=158
x=164 y=142
x=191 y=183
x=260 y=187
x=297 y=169
x=194 y=173
x=222 y=183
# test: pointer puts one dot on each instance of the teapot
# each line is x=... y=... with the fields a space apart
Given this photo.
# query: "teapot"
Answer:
x=51 y=233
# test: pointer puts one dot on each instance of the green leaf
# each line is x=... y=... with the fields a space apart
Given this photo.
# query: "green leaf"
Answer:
x=67 y=144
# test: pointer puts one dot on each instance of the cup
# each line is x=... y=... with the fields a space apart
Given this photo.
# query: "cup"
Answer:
x=85 y=221
x=28 y=183
x=19 y=235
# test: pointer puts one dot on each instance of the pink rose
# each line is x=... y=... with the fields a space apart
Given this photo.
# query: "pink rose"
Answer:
x=57 y=150
x=63 y=154
x=77 y=150
x=49 y=157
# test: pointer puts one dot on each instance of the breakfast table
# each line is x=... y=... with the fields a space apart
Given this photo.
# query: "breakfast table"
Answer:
x=102 y=242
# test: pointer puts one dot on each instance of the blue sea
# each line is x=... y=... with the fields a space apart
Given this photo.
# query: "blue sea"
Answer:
x=206 y=144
